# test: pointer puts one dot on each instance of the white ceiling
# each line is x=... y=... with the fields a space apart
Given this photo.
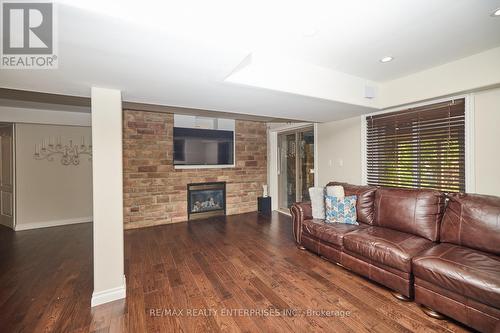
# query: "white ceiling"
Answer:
x=179 y=52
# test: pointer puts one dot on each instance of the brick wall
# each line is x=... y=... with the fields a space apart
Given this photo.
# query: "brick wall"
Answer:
x=155 y=193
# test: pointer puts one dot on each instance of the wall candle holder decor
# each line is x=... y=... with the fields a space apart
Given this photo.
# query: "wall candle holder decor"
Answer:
x=70 y=153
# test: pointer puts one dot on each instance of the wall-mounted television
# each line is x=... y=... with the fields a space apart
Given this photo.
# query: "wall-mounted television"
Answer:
x=198 y=147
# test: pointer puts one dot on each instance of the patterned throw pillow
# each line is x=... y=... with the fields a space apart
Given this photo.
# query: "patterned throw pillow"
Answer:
x=341 y=210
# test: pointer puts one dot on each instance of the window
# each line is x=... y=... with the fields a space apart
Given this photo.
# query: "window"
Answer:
x=421 y=147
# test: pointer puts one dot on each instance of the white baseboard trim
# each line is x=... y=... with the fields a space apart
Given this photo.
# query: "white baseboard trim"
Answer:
x=109 y=295
x=48 y=224
x=284 y=212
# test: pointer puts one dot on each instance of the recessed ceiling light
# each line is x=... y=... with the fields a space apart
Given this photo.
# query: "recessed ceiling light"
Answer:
x=387 y=59
x=496 y=13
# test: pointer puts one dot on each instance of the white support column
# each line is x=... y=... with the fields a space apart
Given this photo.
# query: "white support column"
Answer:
x=109 y=279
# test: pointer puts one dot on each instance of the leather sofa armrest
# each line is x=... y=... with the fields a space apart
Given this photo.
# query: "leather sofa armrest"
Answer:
x=300 y=211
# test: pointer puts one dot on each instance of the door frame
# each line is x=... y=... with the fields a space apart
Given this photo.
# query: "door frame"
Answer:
x=273 y=158
x=13 y=166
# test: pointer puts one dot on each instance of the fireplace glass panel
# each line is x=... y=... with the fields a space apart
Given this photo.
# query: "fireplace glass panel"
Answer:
x=206 y=200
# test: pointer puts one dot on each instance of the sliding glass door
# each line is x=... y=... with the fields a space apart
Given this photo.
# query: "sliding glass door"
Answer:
x=295 y=166
x=287 y=172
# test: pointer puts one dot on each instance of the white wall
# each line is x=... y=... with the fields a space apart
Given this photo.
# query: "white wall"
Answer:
x=477 y=71
x=39 y=116
x=339 y=149
x=463 y=75
x=47 y=192
x=109 y=279
x=487 y=142
x=279 y=73
x=341 y=140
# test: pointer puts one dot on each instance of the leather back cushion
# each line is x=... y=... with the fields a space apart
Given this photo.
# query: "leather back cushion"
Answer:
x=365 y=200
x=418 y=212
x=473 y=220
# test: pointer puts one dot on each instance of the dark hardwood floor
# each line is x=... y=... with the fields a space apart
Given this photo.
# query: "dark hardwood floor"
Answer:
x=45 y=279
x=242 y=273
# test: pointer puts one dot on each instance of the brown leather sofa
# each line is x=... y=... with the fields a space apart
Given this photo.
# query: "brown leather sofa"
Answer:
x=395 y=227
x=461 y=276
x=327 y=240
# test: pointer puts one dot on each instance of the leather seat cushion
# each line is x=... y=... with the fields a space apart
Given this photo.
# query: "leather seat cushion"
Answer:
x=386 y=246
x=332 y=233
x=464 y=271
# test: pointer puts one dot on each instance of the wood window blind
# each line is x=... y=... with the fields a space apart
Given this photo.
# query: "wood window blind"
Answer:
x=421 y=147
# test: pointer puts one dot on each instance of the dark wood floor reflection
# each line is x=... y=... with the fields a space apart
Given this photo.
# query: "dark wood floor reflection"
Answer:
x=45 y=279
x=236 y=274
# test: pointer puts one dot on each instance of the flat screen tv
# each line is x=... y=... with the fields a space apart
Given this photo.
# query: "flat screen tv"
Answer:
x=195 y=146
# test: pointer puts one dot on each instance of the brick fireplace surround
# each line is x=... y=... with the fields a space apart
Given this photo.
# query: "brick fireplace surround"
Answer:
x=155 y=192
